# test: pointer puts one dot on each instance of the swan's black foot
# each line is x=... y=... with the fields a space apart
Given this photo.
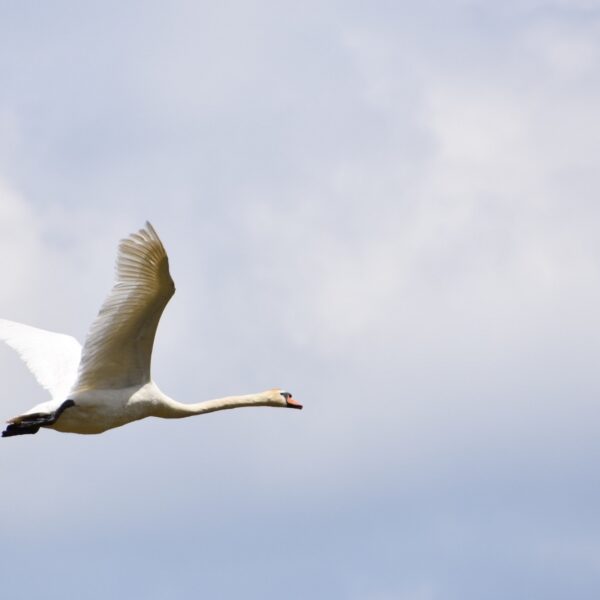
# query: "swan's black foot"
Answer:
x=19 y=429
x=29 y=424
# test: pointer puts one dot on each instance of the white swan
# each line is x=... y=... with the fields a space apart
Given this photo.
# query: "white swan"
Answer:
x=107 y=383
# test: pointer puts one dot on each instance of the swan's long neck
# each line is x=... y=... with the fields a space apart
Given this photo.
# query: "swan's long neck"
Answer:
x=171 y=409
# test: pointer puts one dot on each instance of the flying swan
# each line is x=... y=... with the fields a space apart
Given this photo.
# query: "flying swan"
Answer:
x=107 y=383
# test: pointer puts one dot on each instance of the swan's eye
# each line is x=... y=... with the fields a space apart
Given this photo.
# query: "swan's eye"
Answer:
x=286 y=395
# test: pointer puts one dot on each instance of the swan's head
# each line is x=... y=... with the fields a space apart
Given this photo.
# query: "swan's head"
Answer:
x=283 y=398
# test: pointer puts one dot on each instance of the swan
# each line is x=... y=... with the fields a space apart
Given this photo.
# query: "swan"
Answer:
x=107 y=383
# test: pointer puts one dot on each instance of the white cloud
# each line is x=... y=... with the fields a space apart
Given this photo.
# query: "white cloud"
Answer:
x=394 y=214
x=21 y=247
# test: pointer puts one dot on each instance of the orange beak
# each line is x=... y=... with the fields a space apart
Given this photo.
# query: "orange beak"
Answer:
x=293 y=403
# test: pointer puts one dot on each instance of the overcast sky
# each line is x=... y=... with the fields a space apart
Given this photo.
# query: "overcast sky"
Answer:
x=390 y=209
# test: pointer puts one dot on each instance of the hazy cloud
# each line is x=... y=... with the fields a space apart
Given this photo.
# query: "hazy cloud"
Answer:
x=389 y=210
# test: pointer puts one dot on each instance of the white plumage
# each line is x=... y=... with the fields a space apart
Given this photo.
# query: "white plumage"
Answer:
x=118 y=347
x=107 y=383
x=53 y=358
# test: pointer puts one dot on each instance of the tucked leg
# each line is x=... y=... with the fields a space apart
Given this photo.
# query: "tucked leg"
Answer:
x=29 y=424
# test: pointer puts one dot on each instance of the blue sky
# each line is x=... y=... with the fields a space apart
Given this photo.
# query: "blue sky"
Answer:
x=390 y=210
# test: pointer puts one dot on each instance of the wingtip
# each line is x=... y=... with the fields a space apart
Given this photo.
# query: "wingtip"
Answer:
x=151 y=229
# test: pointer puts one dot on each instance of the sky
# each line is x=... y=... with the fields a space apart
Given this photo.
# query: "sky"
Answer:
x=389 y=209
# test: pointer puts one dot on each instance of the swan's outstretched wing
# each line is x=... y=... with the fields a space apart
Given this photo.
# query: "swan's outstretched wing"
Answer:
x=53 y=358
x=118 y=349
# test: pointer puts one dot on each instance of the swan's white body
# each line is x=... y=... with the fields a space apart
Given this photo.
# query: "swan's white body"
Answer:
x=107 y=383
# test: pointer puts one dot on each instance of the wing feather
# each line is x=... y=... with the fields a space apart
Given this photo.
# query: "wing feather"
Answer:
x=118 y=348
x=53 y=358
